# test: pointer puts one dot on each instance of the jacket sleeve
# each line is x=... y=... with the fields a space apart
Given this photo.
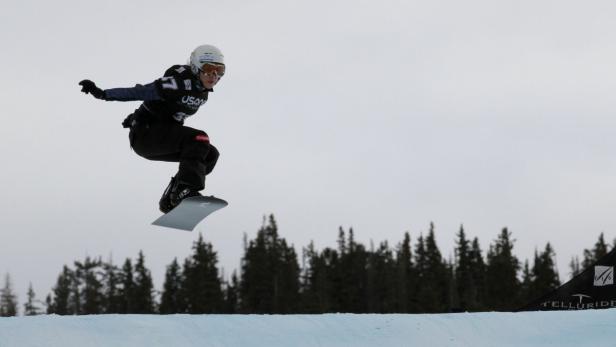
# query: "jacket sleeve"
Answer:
x=148 y=92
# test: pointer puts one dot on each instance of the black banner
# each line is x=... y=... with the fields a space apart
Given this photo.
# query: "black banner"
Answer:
x=593 y=288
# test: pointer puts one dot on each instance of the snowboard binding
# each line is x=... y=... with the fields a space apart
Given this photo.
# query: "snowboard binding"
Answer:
x=174 y=194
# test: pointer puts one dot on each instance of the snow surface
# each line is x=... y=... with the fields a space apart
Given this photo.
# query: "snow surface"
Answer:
x=581 y=328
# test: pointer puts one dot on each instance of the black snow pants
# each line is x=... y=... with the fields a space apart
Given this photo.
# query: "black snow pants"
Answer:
x=167 y=140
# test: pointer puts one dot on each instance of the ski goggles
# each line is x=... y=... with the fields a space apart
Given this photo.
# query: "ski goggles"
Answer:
x=209 y=69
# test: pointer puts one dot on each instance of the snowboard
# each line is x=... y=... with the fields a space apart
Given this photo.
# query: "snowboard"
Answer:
x=190 y=212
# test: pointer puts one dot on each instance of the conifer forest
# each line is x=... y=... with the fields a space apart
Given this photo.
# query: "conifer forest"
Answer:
x=411 y=276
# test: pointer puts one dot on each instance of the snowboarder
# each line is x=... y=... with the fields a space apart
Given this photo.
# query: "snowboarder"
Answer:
x=157 y=130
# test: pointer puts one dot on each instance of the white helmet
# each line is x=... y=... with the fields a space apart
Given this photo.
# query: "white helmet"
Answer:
x=205 y=54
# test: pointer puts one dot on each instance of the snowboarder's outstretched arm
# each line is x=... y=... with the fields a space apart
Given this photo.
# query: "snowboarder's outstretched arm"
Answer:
x=139 y=92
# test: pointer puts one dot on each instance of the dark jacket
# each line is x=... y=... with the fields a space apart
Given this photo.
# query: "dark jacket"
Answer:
x=174 y=97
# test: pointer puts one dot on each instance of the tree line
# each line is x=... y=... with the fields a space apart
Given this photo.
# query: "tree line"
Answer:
x=411 y=277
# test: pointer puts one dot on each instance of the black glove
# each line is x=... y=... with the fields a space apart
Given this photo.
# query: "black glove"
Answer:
x=90 y=87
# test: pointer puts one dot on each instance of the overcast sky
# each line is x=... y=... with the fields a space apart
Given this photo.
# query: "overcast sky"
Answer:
x=381 y=115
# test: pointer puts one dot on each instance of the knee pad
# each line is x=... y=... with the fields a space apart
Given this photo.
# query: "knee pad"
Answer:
x=202 y=137
x=201 y=142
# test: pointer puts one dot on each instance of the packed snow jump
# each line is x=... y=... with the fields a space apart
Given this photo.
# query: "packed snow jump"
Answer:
x=157 y=132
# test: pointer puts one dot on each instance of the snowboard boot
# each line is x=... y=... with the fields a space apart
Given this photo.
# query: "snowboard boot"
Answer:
x=174 y=194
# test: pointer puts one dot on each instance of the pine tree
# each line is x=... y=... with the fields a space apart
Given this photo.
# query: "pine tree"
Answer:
x=31 y=307
x=593 y=255
x=88 y=273
x=352 y=274
x=231 y=304
x=171 y=300
x=465 y=290
x=8 y=299
x=574 y=267
x=127 y=289
x=421 y=302
x=58 y=303
x=202 y=285
x=308 y=288
x=544 y=273
x=501 y=274
x=184 y=294
x=318 y=280
x=433 y=293
x=112 y=296
x=381 y=280
x=439 y=275
x=478 y=274
x=450 y=286
x=287 y=279
x=270 y=274
x=405 y=276
x=75 y=298
x=143 y=299
x=526 y=285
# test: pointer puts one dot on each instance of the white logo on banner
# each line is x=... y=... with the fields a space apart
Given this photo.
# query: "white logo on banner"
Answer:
x=582 y=296
x=604 y=275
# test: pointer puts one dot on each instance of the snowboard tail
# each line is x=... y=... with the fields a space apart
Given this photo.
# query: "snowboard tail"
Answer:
x=190 y=212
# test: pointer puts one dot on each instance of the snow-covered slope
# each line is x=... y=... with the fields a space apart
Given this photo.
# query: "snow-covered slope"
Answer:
x=583 y=328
